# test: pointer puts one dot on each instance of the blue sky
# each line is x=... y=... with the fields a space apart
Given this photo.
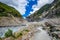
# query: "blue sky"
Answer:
x=29 y=7
x=26 y=7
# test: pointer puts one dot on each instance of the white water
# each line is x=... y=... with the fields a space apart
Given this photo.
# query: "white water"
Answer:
x=4 y=29
x=41 y=35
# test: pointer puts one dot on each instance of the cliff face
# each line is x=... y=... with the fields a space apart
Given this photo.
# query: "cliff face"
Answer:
x=9 y=16
x=45 y=11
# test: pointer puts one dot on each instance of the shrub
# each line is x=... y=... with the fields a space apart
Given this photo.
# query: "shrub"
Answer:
x=26 y=30
x=19 y=34
x=0 y=38
x=8 y=33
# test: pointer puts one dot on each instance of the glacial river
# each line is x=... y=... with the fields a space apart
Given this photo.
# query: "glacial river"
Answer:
x=40 y=35
x=4 y=29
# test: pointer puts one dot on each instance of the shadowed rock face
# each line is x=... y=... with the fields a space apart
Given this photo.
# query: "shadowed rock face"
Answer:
x=55 y=13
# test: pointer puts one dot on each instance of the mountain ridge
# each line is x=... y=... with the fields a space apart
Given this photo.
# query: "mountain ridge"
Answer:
x=38 y=14
x=5 y=9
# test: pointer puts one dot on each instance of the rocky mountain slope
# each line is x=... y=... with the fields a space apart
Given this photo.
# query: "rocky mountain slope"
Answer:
x=9 y=16
x=54 y=11
x=5 y=10
x=45 y=11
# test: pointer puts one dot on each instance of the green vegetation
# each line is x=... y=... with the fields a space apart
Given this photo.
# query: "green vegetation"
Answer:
x=5 y=10
x=8 y=33
x=37 y=14
x=21 y=33
x=26 y=30
x=0 y=38
x=12 y=36
x=44 y=8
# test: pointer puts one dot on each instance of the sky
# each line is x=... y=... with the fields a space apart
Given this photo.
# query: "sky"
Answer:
x=26 y=7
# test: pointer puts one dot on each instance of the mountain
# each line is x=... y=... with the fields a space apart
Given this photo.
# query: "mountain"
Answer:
x=54 y=12
x=43 y=11
x=6 y=10
x=9 y=16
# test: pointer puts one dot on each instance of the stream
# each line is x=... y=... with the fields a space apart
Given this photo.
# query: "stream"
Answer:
x=40 y=35
x=14 y=29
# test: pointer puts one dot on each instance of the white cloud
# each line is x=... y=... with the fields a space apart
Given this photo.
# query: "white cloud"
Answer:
x=40 y=4
x=17 y=4
x=20 y=4
x=9 y=2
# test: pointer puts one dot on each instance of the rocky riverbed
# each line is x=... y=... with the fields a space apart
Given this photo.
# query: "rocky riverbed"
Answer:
x=36 y=30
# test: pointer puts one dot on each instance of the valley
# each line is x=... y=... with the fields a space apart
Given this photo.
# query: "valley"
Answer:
x=44 y=24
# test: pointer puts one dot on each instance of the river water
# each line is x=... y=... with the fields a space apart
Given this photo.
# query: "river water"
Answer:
x=14 y=29
x=40 y=35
